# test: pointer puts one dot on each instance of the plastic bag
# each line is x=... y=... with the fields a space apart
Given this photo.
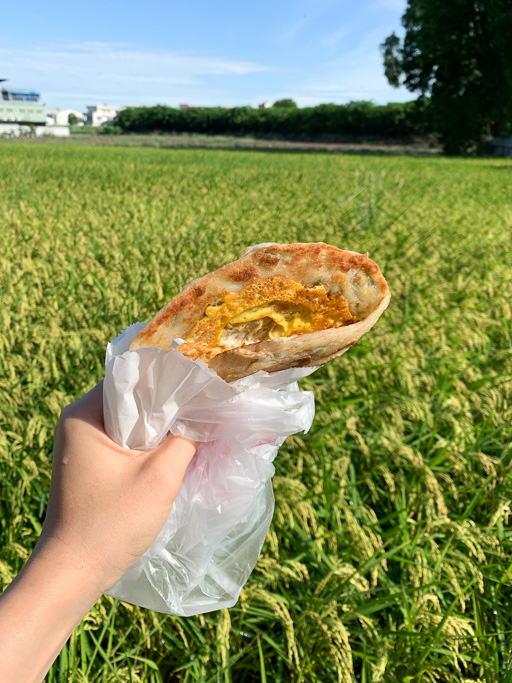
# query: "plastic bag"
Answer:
x=213 y=536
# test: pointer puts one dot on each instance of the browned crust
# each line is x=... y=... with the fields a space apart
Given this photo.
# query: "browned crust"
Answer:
x=355 y=275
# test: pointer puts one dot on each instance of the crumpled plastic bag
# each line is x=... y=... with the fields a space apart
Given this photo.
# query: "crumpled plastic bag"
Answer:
x=213 y=536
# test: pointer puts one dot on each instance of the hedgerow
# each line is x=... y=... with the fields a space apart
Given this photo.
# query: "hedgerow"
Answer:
x=335 y=120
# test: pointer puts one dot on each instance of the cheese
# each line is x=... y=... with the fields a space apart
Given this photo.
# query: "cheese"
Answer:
x=270 y=308
x=286 y=323
x=258 y=313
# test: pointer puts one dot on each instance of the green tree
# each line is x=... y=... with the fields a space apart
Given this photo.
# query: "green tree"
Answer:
x=285 y=104
x=73 y=119
x=458 y=53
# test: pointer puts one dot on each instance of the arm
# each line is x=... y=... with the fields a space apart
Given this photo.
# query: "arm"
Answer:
x=107 y=505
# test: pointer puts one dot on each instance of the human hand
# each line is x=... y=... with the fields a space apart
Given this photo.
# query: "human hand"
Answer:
x=107 y=505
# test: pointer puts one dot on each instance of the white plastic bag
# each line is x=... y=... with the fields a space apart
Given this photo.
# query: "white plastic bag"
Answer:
x=213 y=536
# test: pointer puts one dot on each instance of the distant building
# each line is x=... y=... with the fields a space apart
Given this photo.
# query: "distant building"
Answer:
x=21 y=107
x=100 y=115
x=23 y=113
x=60 y=117
x=265 y=105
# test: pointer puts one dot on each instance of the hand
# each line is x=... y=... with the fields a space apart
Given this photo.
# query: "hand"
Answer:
x=107 y=505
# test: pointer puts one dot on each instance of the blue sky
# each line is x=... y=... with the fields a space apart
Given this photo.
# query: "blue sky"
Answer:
x=202 y=53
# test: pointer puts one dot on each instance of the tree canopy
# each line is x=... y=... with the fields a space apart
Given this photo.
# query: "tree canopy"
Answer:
x=285 y=104
x=458 y=53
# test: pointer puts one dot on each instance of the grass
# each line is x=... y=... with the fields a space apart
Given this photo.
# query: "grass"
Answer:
x=389 y=554
x=112 y=136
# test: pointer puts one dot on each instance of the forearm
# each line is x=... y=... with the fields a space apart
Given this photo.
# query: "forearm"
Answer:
x=39 y=611
x=106 y=506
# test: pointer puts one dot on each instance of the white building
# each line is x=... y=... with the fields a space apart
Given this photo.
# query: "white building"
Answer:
x=100 y=115
x=60 y=117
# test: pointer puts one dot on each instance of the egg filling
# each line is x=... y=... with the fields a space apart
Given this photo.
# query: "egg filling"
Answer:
x=273 y=307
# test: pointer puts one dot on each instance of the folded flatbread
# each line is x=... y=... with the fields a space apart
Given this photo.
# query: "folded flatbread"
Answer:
x=278 y=306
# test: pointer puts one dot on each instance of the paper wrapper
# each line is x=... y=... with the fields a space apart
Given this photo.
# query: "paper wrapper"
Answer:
x=213 y=536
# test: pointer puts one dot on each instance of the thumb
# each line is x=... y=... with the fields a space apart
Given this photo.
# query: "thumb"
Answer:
x=173 y=455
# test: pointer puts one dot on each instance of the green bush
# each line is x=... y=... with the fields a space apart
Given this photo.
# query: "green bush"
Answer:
x=109 y=130
x=334 y=120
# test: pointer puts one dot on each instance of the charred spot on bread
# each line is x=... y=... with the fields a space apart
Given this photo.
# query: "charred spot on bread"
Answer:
x=244 y=274
x=269 y=259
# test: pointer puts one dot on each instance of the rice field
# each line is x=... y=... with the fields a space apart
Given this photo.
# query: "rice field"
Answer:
x=389 y=556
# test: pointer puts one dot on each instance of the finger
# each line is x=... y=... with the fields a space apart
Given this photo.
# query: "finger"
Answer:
x=175 y=453
x=175 y=439
x=87 y=409
x=92 y=402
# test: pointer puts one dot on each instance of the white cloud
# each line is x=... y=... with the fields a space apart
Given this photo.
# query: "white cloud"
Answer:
x=115 y=72
x=291 y=31
x=335 y=37
x=110 y=56
x=85 y=73
x=356 y=75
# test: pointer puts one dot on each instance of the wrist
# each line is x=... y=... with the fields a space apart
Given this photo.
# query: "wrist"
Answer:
x=40 y=609
x=56 y=557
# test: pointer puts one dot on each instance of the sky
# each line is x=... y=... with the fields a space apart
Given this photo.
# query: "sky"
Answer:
x=200 y=53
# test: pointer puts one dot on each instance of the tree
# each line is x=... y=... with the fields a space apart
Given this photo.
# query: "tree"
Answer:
x=458 y=53
x=73 y=119
x=285 y=104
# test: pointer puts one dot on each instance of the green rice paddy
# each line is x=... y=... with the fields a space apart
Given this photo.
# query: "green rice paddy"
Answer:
x=389 y=556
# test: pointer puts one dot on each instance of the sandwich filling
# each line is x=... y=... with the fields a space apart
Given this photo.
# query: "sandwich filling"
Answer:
x=273 y=307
